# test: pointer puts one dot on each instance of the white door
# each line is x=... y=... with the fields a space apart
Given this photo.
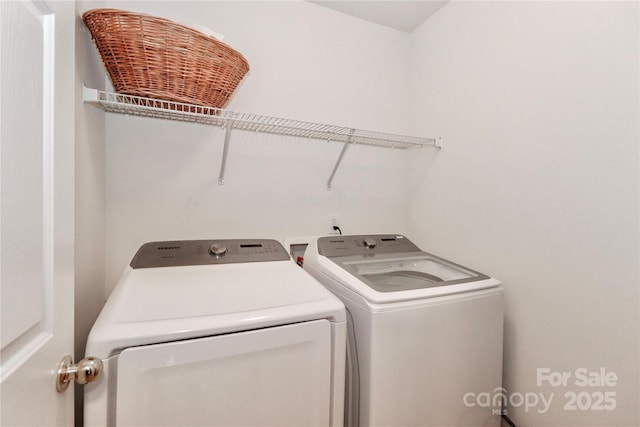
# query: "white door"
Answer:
x=36 y=209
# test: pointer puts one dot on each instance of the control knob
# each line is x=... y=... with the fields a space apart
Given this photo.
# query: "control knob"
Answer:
x=217 y=250
x=369 y=243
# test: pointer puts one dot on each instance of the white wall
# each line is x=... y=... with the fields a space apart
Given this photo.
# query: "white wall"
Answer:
x=90 y=193
x=307 y=63
x=538 y=183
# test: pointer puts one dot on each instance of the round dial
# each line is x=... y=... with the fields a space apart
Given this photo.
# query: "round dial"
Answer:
x=369 y=243
x=217 y=250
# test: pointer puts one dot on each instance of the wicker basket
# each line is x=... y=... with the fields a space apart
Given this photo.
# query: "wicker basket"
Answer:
x=157 y=58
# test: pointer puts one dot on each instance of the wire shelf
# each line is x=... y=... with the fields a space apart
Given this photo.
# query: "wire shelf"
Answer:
x=148 y=107
x=168 y=110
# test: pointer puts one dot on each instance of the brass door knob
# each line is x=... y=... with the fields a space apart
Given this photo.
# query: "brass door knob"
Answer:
x=85 y=371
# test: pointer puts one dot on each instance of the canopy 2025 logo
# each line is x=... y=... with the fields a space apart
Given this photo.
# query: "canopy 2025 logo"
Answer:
x=585 y=399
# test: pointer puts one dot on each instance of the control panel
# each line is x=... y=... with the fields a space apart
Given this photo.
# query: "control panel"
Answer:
x=335 y=246
x=181 y=253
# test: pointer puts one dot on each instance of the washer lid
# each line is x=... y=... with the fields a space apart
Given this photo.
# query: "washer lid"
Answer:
x=402 y=272
x=152 y=305
x=389 y=268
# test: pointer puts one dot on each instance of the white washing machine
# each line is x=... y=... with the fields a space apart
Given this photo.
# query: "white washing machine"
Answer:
x=217 y=333
x=425 y=334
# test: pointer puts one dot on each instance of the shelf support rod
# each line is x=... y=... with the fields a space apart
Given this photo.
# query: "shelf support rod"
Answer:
x=344 y=149
x=225 y=150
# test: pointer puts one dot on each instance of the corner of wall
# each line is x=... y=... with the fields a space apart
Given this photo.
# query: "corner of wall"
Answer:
x=89 y=193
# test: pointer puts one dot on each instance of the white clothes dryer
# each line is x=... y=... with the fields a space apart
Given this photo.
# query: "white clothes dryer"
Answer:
x=424 y=334
x=217 y=333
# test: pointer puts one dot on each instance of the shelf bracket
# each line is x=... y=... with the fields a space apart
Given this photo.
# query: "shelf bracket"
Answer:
x=89 y=94
x=344 y=149
x=225 y=150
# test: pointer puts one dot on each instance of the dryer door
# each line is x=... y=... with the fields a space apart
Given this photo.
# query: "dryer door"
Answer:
x=277 y=376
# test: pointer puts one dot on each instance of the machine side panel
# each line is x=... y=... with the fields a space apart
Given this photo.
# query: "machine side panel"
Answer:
x=100 y=396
